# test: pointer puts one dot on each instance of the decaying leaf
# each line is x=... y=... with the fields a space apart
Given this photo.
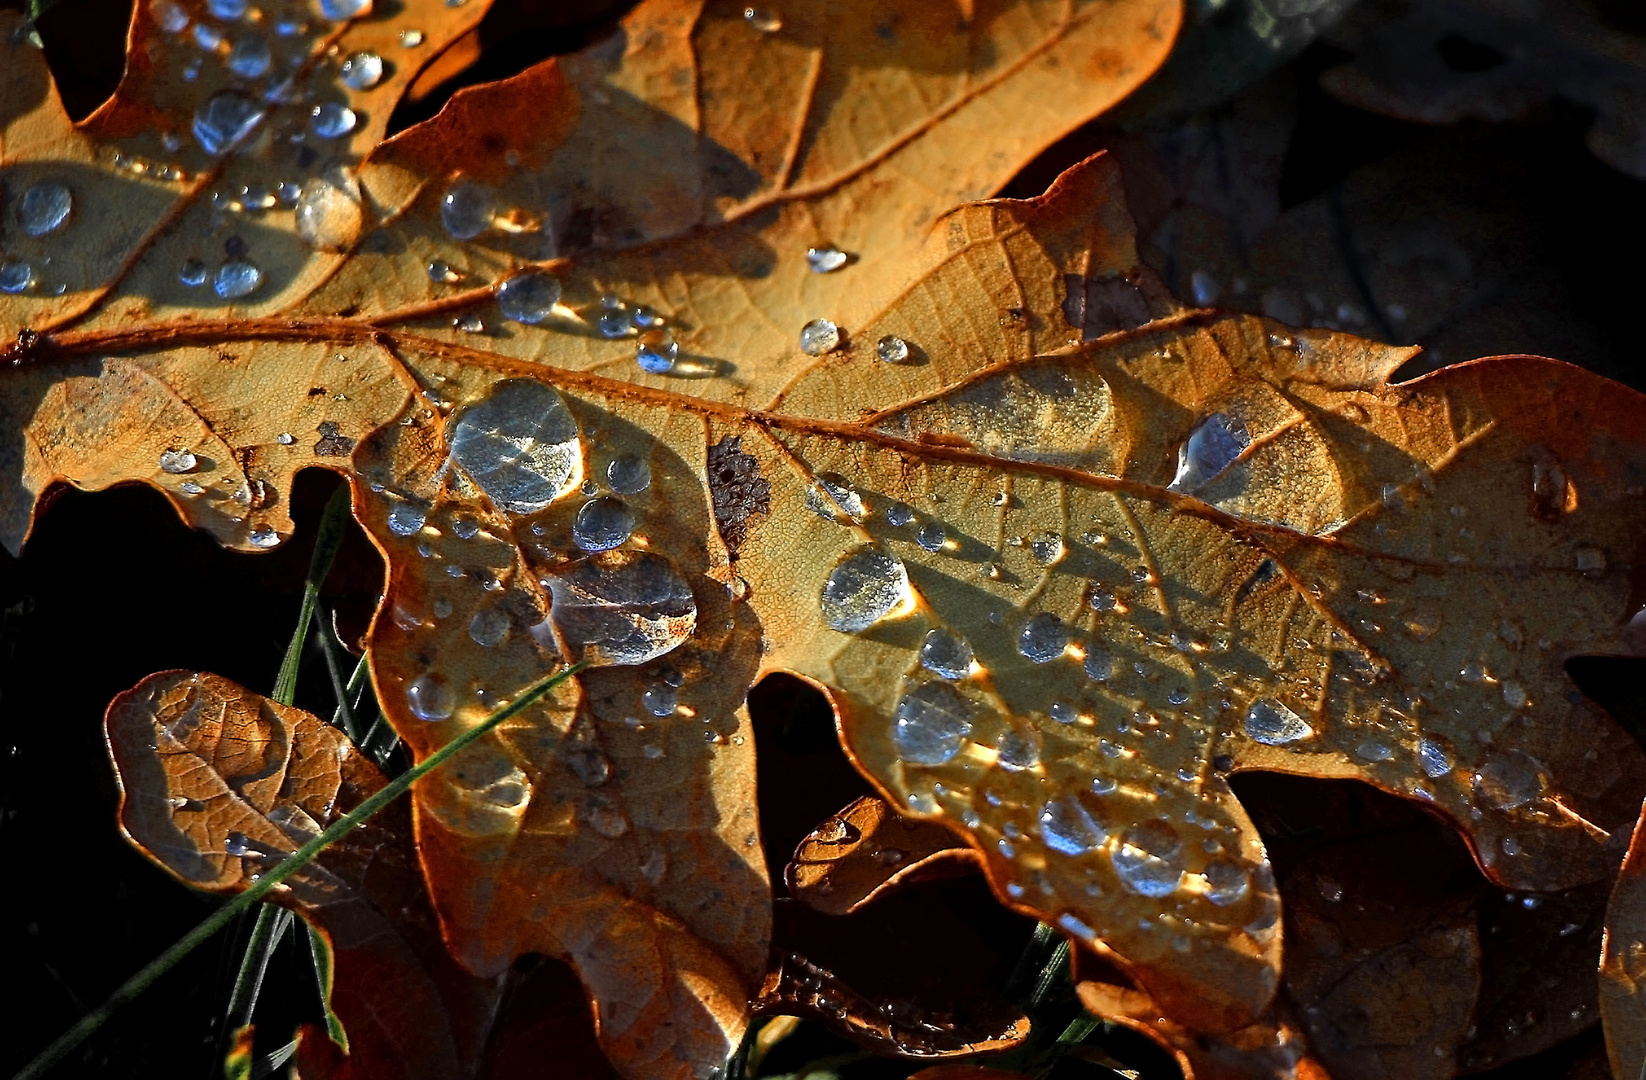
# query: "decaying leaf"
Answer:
x=217 y=782
x=1623 y=963
x=867 y=847
x=669 y=357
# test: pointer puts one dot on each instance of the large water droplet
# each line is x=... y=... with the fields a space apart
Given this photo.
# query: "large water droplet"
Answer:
x=528 y=297
x=15 y=275
x=1273 y=724
x=1043 y=638
x=832 y=499
x=178 y=461
x=331 y=120
x=1046 y=547
x=1509 y=778
x=931 y=536
x=192 y=273
x=466 y=209
x=237 y=278
x=406 y=519
x=338 y=10
x=44 y=207
x=328 y=215
x=657 y=357
x=946 y=653
x=1147 y=860
x=1433 y=757
x=660 y=700
x=1018 y=749
x=1211 y=448
x=863 y=588
x=818 y=337
x=489 y=627
x=629 y=475
x=826 y=260
x=362 y=71
x=602 y=524
x=519 y=444
x=1226 y=883
x=250 y=57
x=1068 y=827
x=225 y=119
x=930 y=723
x=429 y=698
x=621 y=607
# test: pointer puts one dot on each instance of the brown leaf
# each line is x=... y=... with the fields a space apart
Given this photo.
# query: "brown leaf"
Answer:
x=868 y=847
x=1623 y=962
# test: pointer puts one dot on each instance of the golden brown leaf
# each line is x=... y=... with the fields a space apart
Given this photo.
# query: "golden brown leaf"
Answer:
x=868 y=847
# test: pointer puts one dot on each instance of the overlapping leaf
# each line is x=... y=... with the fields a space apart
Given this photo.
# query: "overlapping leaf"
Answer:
x=1067 y=559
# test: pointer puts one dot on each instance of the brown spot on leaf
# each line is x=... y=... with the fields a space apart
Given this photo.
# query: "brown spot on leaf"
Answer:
x=740 y=493
x=331 y=443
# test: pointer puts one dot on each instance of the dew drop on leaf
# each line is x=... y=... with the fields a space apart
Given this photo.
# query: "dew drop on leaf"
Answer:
x=223 y=119
x=519 y=444
x=1068 y=827
x=1226 y=883
x=489 y=627
x=946 y=653
x=1147 y=859
x=832 y=499
x=899 y=514
x=1018 y=750
x=264 y=536
x=892 y=349
x=362 y=71
x=931 y=536
x=207 y=37
x=629 y=475
x=331 y=120
x=466 y=209
x=657 y=357
x=227 y=10
x=621 y=607
x=1099 y=665
x=15 y=275
x=763 y=19
x=1508 y=779
x=818 y=337
x=825 y=260
x=1273 y=724
x=1433 y=757
x=339 y=10
x=411 y=39
x=237 y=278
x=602 y=524
x=328 y=217
x=1043 y=638
x=864 y=587
x=660 y=700
x=429 y=698
x=441 y=272
x=1211 y=448
x=930 y=723
x=44 y=208
x=192 y=273
x=250 y=57
x=528 y=297
x=406 y=519
x=178 y=461
x=170 y=17
x=1047 y=548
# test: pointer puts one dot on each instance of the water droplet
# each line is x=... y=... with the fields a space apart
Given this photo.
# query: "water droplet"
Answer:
x=192 y=273
x=331 y=120
x=189 y=487
x=1099 y=665
x=237 y=278
x=207 y=37
x=178 y=461
x=250 y=57
x=1047 y=548
x=946 y=653
x=1372 y=750
x=1043 y=638
x=930 y=723
x=406 y=519
x=621 y=607
x=899 y=514
x=519 y=444
x=339 y=10
x=657 y=357
x=489 y=627
x=237 y=844
x=614 y=322
x=1509 y=779
x=832 y=499
x=818 y=337
x=1211 y=448
x=660 y=700
x=15 y=275
x=1067 y=826
x=602 y=524
x=825 y=260
x=1514 y=695
x=892 y=349
x=362 y=71
x=168 y=16
x=863 y=588
x=587 y=763
x=1018 y=749
x=411 y=39
x=466 y=209
x=224 y=120
x=429 y=698
x=44 y=208
x=931 y=536
x=629 y=475
x=606 y=821
x=1273 y=724
x=528 y=297
x=328 y=215
x=1204 y=288
x=469 y=323
x=1433 y=757
x=264 y=536
x=763 y=20
x=655 y=866
x=1226 y=883
x=1147 y=860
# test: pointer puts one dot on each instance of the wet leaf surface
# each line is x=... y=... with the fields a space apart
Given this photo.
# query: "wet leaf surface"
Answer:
x=850 y=857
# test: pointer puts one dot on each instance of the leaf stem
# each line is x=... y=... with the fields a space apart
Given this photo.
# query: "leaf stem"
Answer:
x=282 y=870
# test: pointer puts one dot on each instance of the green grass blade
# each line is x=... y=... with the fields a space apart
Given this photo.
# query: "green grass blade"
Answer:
x=282 y=870
x=272 y=924
x=333 y=526
x=322 y=977
x=343 y=717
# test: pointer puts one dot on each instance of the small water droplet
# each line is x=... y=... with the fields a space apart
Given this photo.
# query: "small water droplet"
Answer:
x=178 y=461
x=863 y=588
x=207 y=37
x=660 y=700
x=327 y=215
x=1043 y=638
x=931 y=536
x=224 y=119
x=441 y=272
x=169 y=16
x=44 y=207
x=825 y=260
x=657 y=357
x=489 y=627
x=250 y=57
x=406 y=519
x=331 y=120
x=1067 y=826
x=1099 y=665
x=1204 y=288
x=1018 y=749
x=763 y=19
x=818 y=337
x=237 y=278
x=602 y=524
x=1047 y=548
x=629 y=475
x=1372 y=750
x=606 y=821
x=1514 y=694
x=466 y=209
x=899 y=514
x=264 y=536
x=411 y=39
x=15 y=275
x=189 y=487
x=339 y=10
x=1226 y=883
x=1591 y=559
x=892 y=349
x=930 y=722
x=1509 y=779
x=362 y=71
x=1211 y=448
x=469 y=323
x=192 y=273
x=1147 y=859
x=946 y=653
x=429 y=698
x=831 y=498
x=1273 y=724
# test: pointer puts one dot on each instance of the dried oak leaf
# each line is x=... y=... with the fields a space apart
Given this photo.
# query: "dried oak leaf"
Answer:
x=868 y=847
x=216 y=782
x=401 y=324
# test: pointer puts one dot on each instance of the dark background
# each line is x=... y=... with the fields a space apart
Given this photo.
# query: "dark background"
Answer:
x=112 y=587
